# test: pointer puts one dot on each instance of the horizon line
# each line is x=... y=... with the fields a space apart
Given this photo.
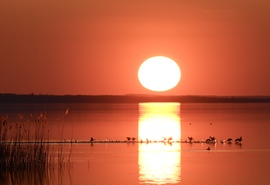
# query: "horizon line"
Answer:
x=131 y=94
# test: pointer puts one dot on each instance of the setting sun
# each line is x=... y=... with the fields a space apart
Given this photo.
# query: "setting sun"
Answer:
x=159 y=73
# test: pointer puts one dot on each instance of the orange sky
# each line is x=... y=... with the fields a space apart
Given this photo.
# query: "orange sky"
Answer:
x=96 y=46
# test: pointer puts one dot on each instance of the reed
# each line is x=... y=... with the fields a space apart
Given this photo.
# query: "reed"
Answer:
x=25 y=149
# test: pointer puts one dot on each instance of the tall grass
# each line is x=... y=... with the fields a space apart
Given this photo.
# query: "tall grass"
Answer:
x=21 y=150
x=24 y=145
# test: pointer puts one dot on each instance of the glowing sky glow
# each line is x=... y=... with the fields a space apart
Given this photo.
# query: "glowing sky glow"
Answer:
x=97 y=47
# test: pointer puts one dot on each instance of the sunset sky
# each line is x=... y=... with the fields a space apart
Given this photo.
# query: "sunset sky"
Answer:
x=92 y=47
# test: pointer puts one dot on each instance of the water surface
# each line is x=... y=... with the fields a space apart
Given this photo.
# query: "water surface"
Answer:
x=154 y=162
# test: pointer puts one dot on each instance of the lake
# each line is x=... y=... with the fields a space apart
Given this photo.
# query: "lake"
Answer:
x=148 y=160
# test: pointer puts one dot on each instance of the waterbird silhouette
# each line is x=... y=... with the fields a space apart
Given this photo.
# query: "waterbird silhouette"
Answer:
x=164 y=139
x=229 y=139
x=212 y=139
x=170 y=140
x=190 y=139
x=238 y=140
x=223 y=141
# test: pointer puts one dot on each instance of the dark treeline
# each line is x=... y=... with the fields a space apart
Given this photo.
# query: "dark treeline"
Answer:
x=31 y=98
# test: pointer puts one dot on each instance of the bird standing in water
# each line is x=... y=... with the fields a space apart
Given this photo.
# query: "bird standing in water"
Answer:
x=190 y=139
x=229 y=140
x=238 y=140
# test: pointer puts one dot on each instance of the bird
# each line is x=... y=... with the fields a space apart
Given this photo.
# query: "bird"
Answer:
x=190 y=139
x=238 y=140
x=212 y=139
x=222 y=141
x=208 y=148
x=128 y=138
x=164 y=139
x=133 y=139
x=92 y=139
x=229 y=140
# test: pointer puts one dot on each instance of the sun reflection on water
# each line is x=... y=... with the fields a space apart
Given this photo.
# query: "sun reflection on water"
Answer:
x=159 y=163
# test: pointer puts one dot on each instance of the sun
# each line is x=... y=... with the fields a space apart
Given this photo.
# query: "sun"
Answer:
x=159 y=73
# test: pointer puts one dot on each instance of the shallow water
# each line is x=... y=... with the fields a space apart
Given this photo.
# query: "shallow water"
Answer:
x=157 y=163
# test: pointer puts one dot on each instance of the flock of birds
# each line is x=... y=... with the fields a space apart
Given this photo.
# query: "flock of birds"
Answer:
x=169 y=140
x=212 y=139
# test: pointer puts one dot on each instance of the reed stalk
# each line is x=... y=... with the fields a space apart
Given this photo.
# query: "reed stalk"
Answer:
x=22 y=149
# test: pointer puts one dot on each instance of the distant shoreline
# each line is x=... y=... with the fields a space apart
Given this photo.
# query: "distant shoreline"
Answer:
x=31 y=98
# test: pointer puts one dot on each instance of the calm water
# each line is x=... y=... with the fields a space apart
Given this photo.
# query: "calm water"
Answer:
x=154 y=163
